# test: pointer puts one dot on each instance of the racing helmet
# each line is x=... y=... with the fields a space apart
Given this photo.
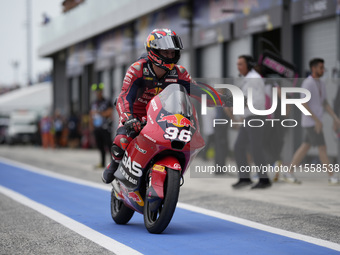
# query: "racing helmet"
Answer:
x=163 y=39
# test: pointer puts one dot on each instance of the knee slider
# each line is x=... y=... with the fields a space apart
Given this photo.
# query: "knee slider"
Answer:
x=116 y=152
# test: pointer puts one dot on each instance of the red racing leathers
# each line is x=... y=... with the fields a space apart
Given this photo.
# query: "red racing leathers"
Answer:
x=140 y=85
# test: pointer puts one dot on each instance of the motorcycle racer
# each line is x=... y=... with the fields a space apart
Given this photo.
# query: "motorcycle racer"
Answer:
x=145 y=79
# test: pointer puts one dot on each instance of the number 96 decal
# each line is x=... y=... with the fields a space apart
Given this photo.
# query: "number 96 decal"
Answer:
x=173 y=133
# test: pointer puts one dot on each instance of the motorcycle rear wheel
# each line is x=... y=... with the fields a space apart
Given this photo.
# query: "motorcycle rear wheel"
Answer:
x=156 y=222
x=120 y=213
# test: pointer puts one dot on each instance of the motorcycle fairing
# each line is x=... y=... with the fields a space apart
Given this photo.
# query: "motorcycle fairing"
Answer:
x=151 y=145
x=130 y=196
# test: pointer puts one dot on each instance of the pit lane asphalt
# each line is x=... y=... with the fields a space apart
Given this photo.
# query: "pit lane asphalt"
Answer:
x=312 y=208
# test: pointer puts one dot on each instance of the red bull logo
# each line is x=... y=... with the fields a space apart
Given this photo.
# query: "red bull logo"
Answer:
x=177 y=120
x=136 y=197
x=154 y=91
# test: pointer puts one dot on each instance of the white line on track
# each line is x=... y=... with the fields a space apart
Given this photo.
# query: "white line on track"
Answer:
x=81 y=229
x=260 y=226
x=54 y=175
x=192 y=208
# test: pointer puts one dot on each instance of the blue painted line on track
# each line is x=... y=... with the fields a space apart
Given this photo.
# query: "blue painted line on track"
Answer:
x=188 y=233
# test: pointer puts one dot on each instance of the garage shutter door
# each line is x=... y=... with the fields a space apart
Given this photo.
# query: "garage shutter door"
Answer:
x=212 y=61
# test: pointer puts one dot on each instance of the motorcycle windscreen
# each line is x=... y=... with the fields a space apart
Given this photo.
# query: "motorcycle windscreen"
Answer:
x=175 y=100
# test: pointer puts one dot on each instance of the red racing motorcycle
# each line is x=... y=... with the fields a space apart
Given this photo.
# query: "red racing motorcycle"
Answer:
x=150 y=174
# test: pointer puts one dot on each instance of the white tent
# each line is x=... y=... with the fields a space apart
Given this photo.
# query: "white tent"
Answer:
x=34 y=98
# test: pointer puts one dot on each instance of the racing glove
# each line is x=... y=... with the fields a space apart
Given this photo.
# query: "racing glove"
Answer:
x=131 y=124
x=227 y=100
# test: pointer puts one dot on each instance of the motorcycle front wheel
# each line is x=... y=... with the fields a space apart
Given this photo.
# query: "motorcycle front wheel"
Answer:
x=156 y=222
x=120 y=213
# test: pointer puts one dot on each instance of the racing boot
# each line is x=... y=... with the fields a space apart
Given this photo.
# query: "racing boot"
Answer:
x=116 y=156
x=108 y=173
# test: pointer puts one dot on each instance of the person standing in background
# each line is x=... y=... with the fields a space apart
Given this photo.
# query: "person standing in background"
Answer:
x=58 y=124
x=250 y=138
x=101 y=115
x=312 y=125
x=46 y=131
x=73 y=130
